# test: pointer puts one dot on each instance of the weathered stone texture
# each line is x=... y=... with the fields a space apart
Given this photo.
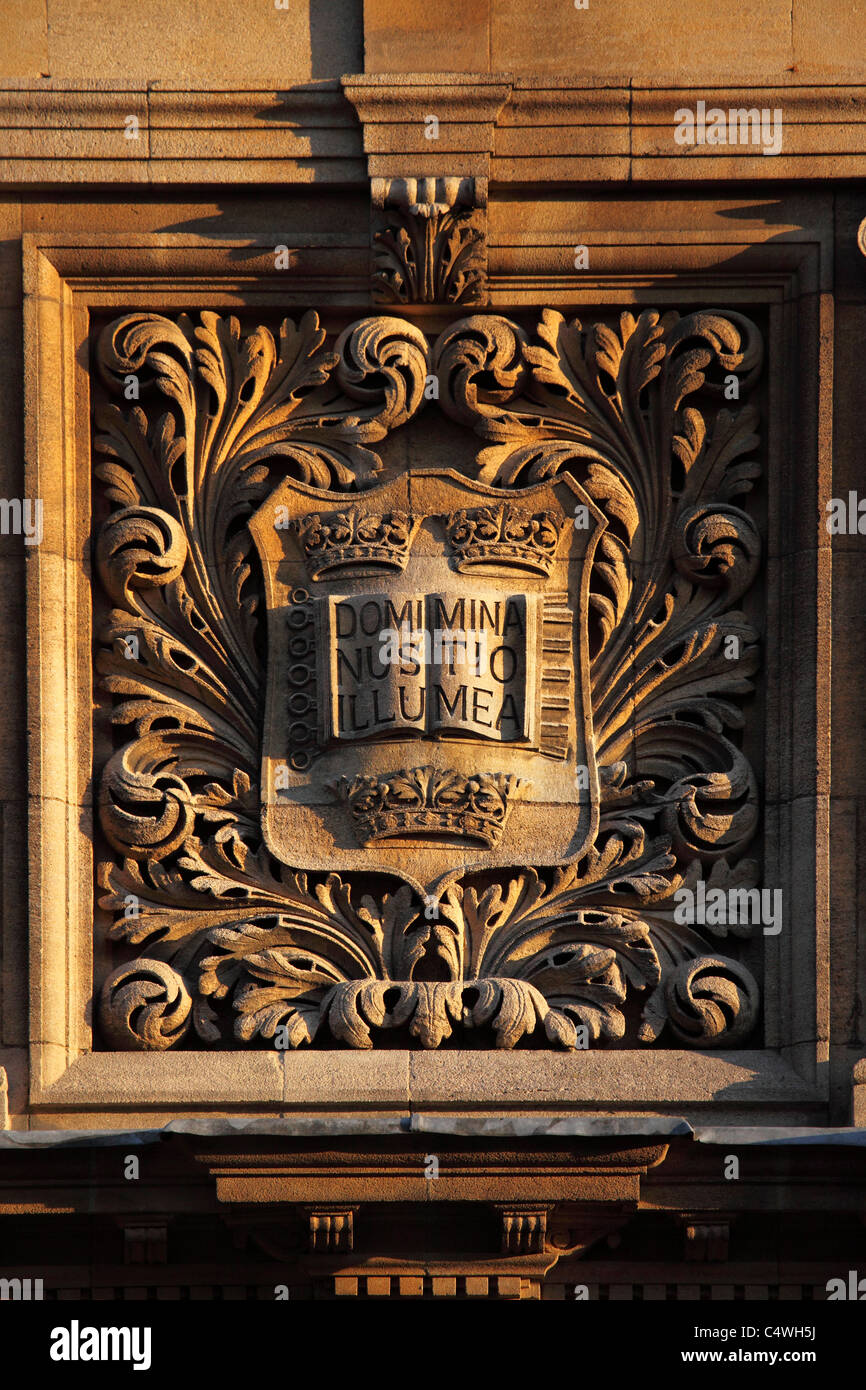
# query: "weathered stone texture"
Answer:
x=192 y=44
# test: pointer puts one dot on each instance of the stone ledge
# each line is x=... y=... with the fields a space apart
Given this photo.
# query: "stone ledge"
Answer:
x=583 y=131
x=359 y=1126
x=506 y=1087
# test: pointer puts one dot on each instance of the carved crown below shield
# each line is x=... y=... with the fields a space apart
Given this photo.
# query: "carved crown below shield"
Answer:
x=424 y=802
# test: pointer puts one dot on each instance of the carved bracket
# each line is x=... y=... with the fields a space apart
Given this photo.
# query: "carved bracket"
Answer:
x=332 y=1229
x=524 y=1228
x=429 y=240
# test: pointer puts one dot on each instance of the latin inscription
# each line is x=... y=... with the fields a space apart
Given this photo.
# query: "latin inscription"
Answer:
x=429 y=663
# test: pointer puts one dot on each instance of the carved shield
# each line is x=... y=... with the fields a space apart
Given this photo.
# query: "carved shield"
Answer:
x=427 y=705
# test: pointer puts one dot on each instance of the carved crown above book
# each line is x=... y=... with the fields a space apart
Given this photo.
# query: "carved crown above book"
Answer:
x=505 y=535
x=354 y=539
x=375 y=725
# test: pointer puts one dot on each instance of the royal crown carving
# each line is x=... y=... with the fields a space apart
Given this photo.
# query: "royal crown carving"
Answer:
x=430 y=747
x=504 y=535
x=354 y=539
x=427 y=802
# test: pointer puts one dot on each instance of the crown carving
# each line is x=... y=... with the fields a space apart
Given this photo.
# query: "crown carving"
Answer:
x=338 y=540
x=426 y=801
x=504 y=535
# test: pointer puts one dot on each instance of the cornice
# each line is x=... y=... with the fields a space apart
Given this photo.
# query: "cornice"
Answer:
x=512 y=130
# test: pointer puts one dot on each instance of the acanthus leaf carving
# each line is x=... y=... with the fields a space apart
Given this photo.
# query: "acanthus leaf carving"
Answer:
x=431 y=247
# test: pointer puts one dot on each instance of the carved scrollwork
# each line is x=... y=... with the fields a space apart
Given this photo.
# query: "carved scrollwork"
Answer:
x=383 y=363
x=145 y=1006
x=711 y=1001
x=237 y=944
x=139 y=548
x=144 y=812
x=719 y=547
x=480 y=364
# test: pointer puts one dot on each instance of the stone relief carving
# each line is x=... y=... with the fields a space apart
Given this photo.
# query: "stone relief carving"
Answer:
x=485 y=535
x=425 y=802
x=307 y=836
x=430 y=245
x=403 y=675
x=352 y=538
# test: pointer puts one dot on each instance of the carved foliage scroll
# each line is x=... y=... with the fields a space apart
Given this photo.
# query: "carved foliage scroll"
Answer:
x=220 y=942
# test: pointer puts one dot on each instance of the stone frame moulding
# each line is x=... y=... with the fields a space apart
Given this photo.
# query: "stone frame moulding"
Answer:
x=66 y=278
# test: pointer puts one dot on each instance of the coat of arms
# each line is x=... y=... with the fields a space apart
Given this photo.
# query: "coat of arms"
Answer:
x=384 y=745
x=426 y=709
